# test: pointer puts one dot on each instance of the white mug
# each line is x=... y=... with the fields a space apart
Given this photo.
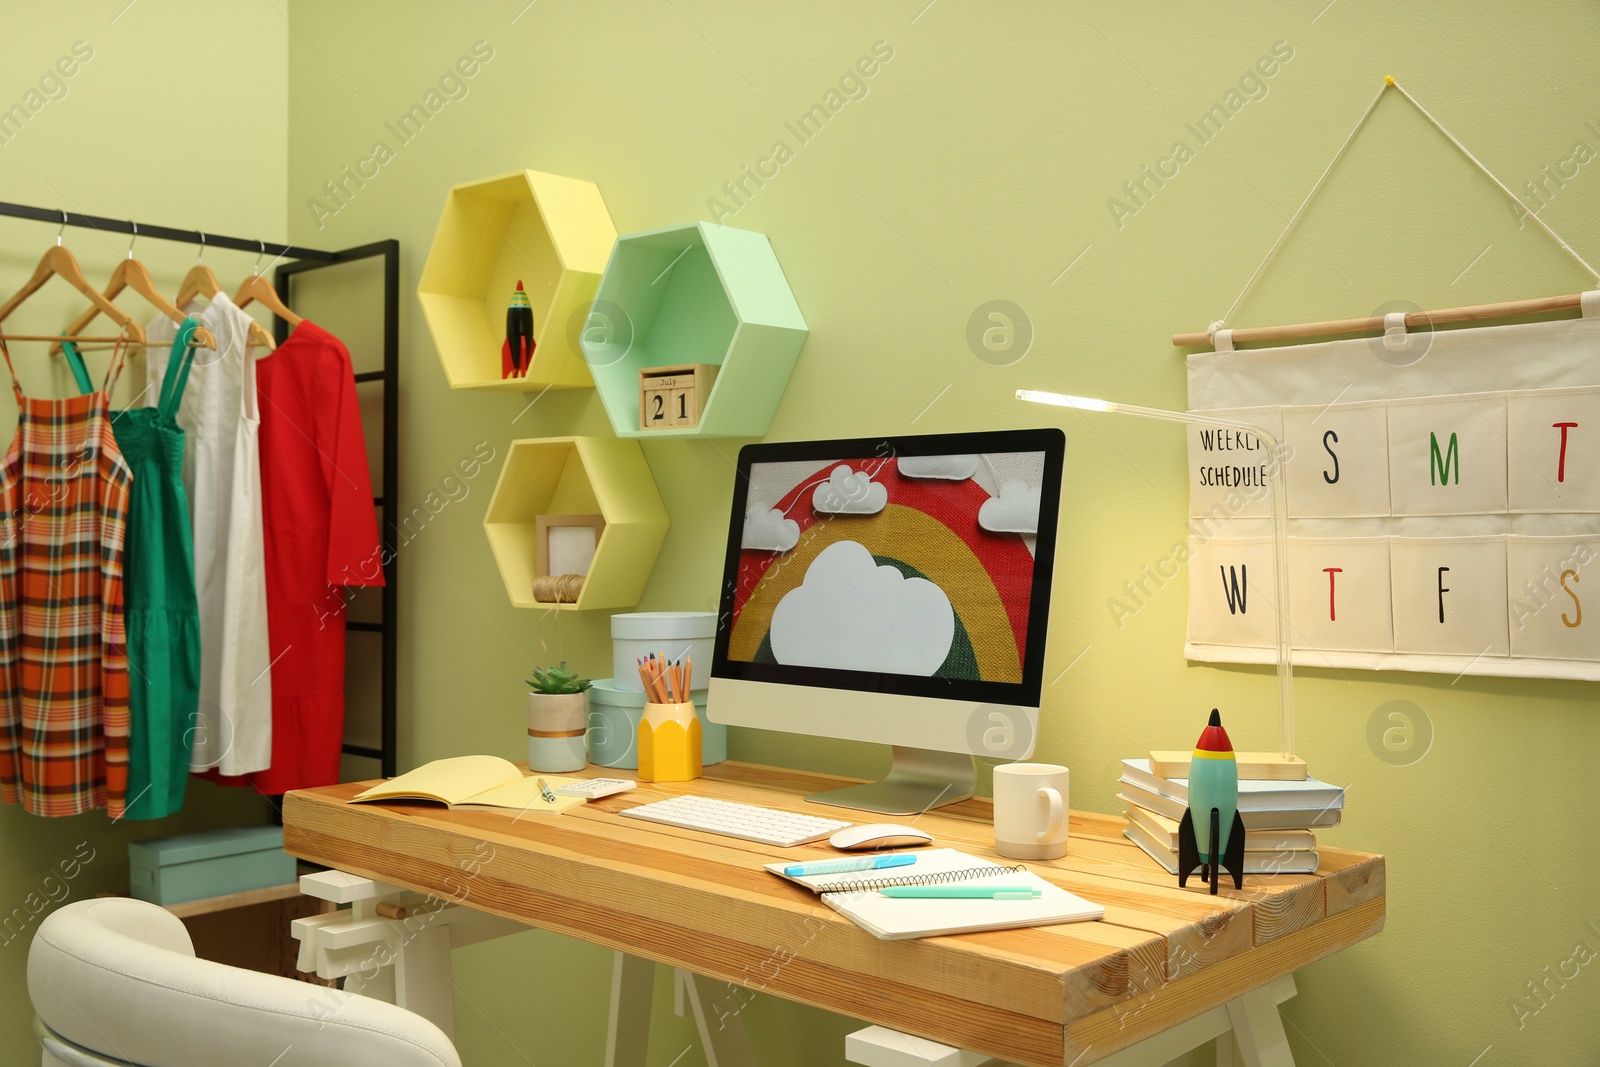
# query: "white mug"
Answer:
x=1030 y=810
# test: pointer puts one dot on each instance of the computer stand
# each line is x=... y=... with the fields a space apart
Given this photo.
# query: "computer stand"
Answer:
x=919 y=780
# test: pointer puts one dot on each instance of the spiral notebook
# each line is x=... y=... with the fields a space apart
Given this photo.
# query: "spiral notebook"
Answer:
x=855 y=896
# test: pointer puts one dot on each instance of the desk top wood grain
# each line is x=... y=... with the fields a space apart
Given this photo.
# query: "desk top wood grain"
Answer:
x=1043 y=997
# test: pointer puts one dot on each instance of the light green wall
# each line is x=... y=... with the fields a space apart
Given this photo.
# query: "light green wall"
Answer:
x=178 y=118
x=979 y=166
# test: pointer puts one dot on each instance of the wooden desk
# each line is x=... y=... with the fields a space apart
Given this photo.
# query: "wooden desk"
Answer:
x=1043 y=997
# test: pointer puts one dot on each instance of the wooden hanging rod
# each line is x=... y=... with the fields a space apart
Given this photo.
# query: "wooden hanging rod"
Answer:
x=166 y=233
x=1374 y=324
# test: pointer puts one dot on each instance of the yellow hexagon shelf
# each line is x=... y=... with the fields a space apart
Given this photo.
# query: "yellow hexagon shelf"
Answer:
x=578 y=476
x=551 y=233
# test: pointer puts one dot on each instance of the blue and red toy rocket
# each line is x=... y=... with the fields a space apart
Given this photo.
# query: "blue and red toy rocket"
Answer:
x=517 y=352
x=1216 y=839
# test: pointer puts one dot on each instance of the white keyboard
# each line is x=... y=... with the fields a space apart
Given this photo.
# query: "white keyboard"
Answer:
x=745 y=821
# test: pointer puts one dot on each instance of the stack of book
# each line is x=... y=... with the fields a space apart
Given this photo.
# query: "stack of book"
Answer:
x=1279 y=818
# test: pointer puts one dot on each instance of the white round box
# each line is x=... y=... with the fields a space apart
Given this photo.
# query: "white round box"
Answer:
x=675 y=633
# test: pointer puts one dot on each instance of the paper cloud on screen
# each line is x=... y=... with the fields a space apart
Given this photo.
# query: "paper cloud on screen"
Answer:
x=1015 y=510
x=955 y=468
x=851 y=614
x=766 y=530
x=848 y=492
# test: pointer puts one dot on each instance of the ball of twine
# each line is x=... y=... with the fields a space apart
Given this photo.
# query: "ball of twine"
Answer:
x=558 y=588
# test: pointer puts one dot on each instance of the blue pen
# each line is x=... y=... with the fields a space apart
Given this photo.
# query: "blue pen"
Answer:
x=963 y=892
x=803 y=870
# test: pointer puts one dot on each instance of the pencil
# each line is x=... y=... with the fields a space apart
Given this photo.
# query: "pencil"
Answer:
x=647 y=678
x=656 y=687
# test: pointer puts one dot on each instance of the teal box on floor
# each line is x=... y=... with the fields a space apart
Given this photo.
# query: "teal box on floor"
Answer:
x=173 y=870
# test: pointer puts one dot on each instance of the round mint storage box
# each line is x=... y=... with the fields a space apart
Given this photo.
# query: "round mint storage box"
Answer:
x=675 y=633
x=613 y=734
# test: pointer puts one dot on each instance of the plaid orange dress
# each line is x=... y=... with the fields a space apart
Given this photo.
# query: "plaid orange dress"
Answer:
x=63 y=660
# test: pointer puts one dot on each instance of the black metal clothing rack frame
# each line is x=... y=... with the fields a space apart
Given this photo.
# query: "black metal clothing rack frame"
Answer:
x=301 y=260
x=165 y=233
x=387 y=752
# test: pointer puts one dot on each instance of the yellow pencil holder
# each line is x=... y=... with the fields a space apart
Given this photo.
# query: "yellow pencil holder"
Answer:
x=669 y=743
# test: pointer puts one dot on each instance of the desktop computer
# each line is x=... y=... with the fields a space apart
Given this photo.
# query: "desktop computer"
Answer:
x=893 y=590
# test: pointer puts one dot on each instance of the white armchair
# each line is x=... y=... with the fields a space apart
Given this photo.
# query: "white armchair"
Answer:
x=115 y=982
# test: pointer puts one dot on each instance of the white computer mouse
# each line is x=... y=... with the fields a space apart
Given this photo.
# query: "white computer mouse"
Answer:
x=879 y=835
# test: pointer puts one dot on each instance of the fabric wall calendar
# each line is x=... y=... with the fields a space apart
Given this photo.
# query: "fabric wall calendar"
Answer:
x=1443 y=501
x=321 y=535
x=63 y=662
x=232 y=730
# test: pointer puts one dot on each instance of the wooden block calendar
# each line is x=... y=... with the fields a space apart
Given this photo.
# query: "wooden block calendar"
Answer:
x=674 y=397
x=1442 y=503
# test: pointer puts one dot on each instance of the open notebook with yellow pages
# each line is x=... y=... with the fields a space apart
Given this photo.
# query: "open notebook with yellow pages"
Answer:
x=475 y=782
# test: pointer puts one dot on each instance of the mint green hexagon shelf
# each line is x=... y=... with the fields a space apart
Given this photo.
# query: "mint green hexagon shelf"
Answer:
x=696 y=293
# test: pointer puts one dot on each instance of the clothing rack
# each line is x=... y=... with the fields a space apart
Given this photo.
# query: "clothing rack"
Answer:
x=165 y=233
x=387 y=752
x=300 y=260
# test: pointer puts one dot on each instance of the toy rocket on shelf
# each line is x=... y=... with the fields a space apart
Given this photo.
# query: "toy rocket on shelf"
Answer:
x=517 y=352
x=1211 y=835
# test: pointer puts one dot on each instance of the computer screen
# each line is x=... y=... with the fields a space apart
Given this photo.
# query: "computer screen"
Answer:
x=892 y=589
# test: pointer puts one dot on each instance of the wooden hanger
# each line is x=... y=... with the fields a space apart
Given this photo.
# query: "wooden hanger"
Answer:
x=131 y=274
x=260 y=337
x=201 y=282
x=57 y=261
x=256 y=287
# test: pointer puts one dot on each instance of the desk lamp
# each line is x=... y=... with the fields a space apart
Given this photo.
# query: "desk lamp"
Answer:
x=1280 y=551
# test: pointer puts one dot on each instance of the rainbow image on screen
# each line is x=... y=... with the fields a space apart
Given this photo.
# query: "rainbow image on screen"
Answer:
x=913 y=565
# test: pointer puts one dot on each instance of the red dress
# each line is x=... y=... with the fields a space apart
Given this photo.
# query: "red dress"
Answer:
x=321 y=535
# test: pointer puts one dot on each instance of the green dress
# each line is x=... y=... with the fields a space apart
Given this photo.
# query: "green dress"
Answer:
x=159 y=601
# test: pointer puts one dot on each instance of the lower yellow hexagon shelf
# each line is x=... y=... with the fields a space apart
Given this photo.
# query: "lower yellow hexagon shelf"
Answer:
x=578 y=476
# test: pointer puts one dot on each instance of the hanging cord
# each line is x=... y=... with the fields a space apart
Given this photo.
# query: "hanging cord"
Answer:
x=1388 y=82
x=552 y=616
x=1362 y=121
x=1498 y=183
